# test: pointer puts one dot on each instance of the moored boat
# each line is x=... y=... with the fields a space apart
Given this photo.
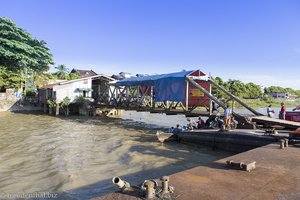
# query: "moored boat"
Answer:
x=165 y=137
x=293 y=116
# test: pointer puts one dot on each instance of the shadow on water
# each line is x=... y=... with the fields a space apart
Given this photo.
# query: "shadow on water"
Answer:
x=106 y=186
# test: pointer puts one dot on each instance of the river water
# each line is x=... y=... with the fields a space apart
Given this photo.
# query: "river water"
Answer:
x=77 y=157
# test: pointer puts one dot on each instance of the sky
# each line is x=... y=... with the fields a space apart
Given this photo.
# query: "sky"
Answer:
x=250 y=40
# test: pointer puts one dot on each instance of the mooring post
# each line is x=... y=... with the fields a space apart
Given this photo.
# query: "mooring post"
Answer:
x=150 y=191
x=165 y=184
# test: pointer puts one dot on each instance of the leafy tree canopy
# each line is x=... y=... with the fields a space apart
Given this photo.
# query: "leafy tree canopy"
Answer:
x=9 y=79
x=18 y=49
x=63 y=73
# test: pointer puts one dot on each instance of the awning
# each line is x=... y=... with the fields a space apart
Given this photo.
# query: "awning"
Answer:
x=84 y=89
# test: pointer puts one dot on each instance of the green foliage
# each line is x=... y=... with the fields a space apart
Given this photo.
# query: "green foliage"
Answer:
x=237 y=88
x=10 y=79
x=43 y=78
x=73 y=76
x=281 y=89
x=81 y=100
x=62 y=72
x=65 y=105
x=65 y=102
x=30 y=93
x=52 y=103
x=252 y=91
x=18 y=49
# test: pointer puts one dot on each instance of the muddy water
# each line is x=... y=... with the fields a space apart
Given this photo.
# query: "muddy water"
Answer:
x=77 y=156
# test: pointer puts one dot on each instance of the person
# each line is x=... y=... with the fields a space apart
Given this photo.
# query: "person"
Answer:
x=270 y=111
x=177 y=130
x=192 y=124
x=227 y=117
x=171 y=130
x=282 y=111
x=214 y=107
x=200 y=123
x=297 y=108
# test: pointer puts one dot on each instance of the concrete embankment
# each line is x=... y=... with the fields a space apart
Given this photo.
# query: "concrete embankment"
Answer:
x=276 y=176
x=8 y=102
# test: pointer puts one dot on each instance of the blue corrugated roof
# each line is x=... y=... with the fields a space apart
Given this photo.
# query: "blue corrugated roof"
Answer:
x=150 y=80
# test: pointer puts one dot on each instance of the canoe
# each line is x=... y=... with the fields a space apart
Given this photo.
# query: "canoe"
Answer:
x=293 y=116
x=165 y=137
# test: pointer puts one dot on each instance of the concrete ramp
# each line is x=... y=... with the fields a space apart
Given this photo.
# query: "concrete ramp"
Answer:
x=269 y=122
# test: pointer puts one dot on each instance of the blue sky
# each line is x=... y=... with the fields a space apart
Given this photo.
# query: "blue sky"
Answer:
x=257 y=40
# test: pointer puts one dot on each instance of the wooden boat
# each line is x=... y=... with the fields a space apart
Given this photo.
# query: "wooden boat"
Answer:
x=165 y=137
x=293 y=116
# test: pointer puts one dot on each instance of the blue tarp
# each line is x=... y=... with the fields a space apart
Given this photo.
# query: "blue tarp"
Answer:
x=167 y=87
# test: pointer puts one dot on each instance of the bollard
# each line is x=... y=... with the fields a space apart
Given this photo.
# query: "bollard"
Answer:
x=282 y=143
x=150 y=191
x=286 y=142
x=165 y=184
x=123 y=185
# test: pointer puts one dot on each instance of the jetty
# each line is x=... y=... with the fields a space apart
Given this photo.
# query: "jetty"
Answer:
x=275 y=176
x=182 y=93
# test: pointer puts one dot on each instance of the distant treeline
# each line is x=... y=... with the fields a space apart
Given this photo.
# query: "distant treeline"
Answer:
x=248 y=90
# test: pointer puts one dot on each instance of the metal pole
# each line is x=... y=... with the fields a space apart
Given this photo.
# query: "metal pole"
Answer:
x=235 y=98
x=205 y=92
x=187 y=96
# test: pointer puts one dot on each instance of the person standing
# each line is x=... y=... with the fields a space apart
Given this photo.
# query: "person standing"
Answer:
x=282 y=111
x=227 y=117
x=270 y=111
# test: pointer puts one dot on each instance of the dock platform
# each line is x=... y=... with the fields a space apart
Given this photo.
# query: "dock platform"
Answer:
x=276 y=176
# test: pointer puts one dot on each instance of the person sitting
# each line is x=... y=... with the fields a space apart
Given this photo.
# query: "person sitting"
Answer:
x=192 y=124
x=270 y=111
x=200 y=123
x=177 y=130
x=171 y=130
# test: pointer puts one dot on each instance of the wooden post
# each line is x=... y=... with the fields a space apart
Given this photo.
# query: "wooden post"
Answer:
x=57 y=109
x=45 y=107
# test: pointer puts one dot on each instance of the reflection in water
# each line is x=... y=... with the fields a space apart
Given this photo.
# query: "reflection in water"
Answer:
x=78 y=156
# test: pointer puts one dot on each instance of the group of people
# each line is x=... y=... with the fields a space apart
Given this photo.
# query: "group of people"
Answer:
x=195 y=124
x=282 y=111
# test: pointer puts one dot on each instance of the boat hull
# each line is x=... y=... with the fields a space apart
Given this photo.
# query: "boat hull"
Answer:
x=293 y=116
x=166 y=137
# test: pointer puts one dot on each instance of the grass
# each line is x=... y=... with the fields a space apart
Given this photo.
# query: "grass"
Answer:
x=266 y=103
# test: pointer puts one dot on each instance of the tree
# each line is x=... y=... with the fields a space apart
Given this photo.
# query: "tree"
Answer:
x=65 y=105
x=10 y=79
x=253 y=91
x=43 y=78
x=62 y=72
x=18 y=50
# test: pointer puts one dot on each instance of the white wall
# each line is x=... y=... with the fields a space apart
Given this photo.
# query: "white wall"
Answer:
x=71 y=90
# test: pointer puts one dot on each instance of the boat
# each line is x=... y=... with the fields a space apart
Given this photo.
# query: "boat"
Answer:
x=165 y=137
x=292 y=116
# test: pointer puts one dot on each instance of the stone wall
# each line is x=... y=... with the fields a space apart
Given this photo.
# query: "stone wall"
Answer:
x=9 y=102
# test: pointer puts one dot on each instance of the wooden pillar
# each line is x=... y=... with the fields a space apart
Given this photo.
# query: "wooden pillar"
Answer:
x=57 y=110
x=45 y=107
